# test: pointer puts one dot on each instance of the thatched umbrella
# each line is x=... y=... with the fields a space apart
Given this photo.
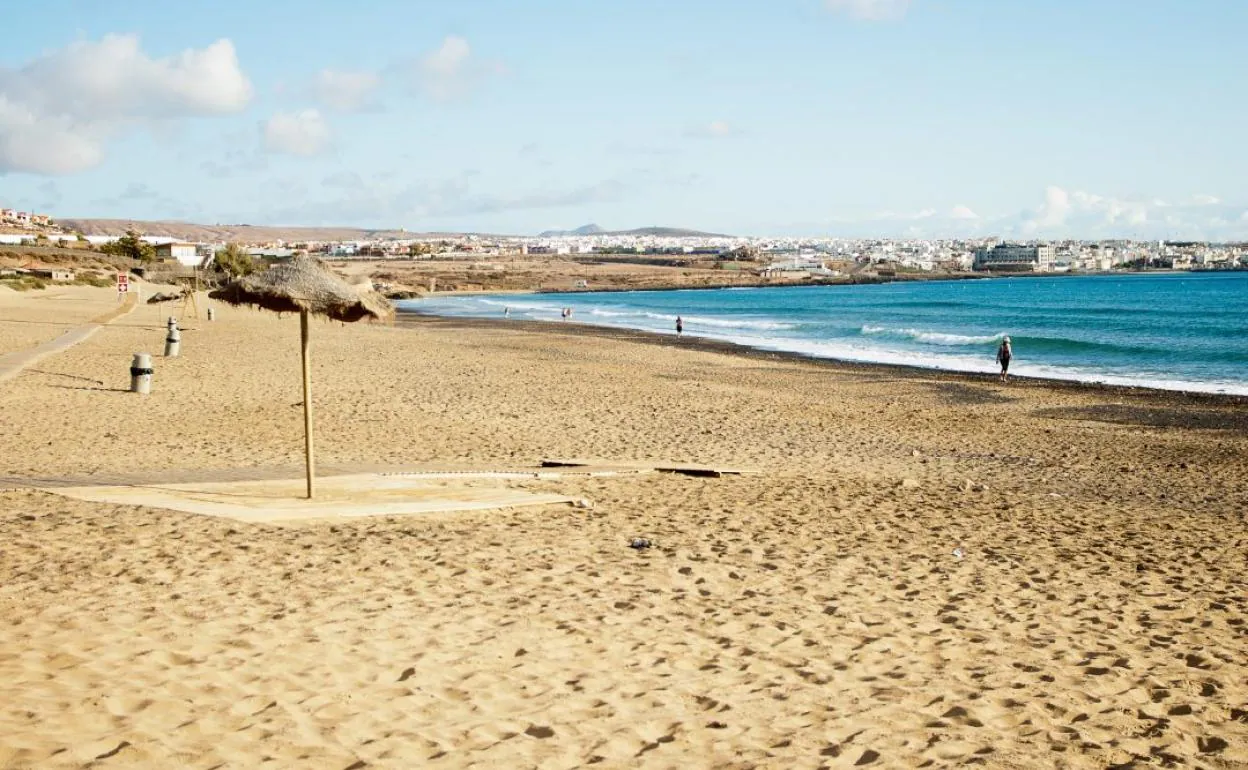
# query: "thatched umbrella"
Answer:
x=305 y=286
x=161 y=297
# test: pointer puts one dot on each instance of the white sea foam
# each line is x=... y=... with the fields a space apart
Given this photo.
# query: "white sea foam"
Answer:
x=872 y=346
x=972 y=364
x=737 y=323
x=934 y=338
x=534 y=306
x=692 y=321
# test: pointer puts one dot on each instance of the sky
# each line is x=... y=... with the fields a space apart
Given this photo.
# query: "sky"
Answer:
x=856 y=118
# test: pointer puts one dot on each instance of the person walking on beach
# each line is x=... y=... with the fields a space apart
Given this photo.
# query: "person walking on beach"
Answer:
x=680 y=325
x=506 y=312
x=1004 y=354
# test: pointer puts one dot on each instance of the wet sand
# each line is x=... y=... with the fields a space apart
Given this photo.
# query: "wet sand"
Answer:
x=813 y=615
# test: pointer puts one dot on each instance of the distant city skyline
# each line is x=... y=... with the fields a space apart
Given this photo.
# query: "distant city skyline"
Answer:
x=848 y=118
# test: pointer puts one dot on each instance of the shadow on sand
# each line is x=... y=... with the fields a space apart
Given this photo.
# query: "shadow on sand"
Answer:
x=1152 y=416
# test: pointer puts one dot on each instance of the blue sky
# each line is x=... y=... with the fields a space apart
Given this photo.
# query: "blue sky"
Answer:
x=1096 y=118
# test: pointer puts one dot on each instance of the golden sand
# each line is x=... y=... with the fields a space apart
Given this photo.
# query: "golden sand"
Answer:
x=28 y=318
x=811 y=615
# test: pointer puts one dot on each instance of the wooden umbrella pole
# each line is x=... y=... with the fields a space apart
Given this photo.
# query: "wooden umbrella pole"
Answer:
x=307 y=396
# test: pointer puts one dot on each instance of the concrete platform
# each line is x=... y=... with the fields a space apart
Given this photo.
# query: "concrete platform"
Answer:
x=168 y=477
x=337 y=497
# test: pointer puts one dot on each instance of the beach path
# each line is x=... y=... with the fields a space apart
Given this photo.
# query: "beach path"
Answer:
x=12 y=364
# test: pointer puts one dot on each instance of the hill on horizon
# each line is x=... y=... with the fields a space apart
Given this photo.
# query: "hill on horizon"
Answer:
x=590 y=229
x=660 y=232
x=240 y=233
x=670 y=232
x=253 y=234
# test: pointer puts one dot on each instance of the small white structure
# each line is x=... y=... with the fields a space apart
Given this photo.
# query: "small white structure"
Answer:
x=799 y=266
x=185 y=253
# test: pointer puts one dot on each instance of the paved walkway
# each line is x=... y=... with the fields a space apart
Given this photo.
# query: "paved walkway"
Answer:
x=275 y=473
x=12 y=364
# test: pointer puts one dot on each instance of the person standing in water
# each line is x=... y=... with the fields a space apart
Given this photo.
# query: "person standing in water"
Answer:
x=1004 y=354
x=680 y=325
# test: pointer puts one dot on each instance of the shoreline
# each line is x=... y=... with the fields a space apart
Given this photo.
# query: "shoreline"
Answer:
x=841 y=281
x=702 y=344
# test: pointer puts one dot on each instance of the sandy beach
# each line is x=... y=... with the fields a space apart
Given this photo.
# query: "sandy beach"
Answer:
x=811 y=615
x=31 y=317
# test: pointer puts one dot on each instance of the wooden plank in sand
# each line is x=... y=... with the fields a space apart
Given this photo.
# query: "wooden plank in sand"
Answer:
x=687 y=469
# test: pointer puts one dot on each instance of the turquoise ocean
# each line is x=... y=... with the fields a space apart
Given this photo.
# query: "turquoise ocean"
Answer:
x=1176 y=331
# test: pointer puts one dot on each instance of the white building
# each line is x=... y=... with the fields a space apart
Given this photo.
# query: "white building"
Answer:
x=185 y=253
x=1010 y=257
x=800 y=266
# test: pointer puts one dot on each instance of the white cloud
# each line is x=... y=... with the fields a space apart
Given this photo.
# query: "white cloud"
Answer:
x=58 y=112
x=296 y=133
x=870 y=10
x=1063 y=214
x=1081 y=214
x=138 y=191
x=345 y=91
x=888 y=215
x=450 y=59
x=1052 y=213
x=449 y=72
x=45 y=144
x=716 y=128
x=114 y=78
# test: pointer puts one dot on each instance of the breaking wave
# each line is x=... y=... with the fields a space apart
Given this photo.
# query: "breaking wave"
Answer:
x=934 y=338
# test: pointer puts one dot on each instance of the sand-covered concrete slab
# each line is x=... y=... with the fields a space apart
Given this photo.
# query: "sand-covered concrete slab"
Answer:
x=337 y=497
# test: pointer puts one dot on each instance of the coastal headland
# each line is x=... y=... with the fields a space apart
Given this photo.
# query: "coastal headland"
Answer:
x=928 y=567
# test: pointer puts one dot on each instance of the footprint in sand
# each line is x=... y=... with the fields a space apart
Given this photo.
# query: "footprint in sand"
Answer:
x=539 y=731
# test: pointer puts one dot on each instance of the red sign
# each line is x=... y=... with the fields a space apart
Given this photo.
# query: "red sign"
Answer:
x=123 y=283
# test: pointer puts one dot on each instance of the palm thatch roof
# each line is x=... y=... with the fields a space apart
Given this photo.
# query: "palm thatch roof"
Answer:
x=165 y=296
x=305 y=283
